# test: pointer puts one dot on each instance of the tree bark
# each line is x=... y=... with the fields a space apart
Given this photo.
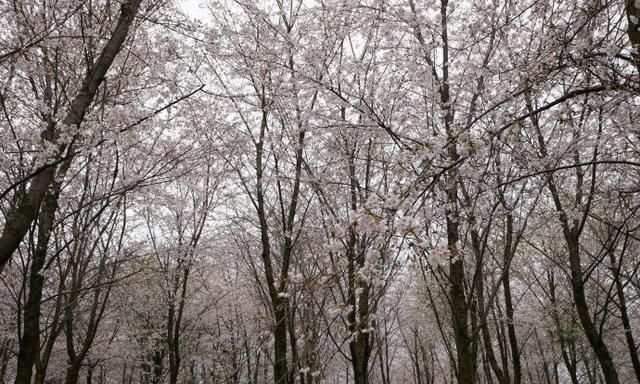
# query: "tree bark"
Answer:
x=280 y=366
x=591 y=332
x=72 y=374
x=508 y=302
x=30 y=340
x=624 y=316
x=466 y=356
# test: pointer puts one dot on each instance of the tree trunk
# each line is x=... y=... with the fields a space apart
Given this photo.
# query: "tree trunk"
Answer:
x=508 y=302
x=466 y=356
x=72 y=374
x=89 y=374
x=30 y=340
x=280 y=368
x=590 y=330
x=624 y=315
x=360 y=346
x=466 y=364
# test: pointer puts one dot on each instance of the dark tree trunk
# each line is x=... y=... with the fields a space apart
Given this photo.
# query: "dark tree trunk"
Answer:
x=72 y=374
x=508 y=302
x=360 y=346
x=595 y=338
x=280 y=368
x=624 y=316
x=30 y=340
x=465 y=350
x=89 y=374
x=466 y=365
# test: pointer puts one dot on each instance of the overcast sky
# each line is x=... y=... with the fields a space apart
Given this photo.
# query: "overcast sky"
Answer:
x=193 y=8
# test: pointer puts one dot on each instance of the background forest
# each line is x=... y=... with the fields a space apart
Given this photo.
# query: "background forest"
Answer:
x=319 y=191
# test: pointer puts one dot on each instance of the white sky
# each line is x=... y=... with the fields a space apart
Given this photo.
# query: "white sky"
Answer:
x=196 y=9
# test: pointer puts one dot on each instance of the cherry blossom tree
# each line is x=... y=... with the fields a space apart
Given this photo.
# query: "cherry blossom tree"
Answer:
x=367 y=191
